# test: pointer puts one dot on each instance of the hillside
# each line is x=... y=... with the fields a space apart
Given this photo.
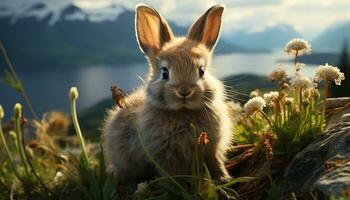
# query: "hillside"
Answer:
x=333 y=38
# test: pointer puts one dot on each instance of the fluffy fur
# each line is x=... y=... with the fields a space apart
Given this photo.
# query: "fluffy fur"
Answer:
x=162 y=113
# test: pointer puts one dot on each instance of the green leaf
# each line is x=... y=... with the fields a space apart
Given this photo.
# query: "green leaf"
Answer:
x=171 y=188
x=164 y=196
x=207 y=173
x=110 y=187
x=102 y=167
x=11 y=81
x=209 y=191
x=237 y=180
x=229 y=193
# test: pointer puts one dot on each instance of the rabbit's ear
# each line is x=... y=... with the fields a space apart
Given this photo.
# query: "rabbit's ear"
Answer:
x=207 y=28
x=152 y=31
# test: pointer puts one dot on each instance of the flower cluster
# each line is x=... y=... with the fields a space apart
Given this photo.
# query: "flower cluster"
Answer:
x=302 y=81
x=298 y=46
x=278 y=74
x=253 y=105
x=271 y=97
x=293 y=112
x=329 y=73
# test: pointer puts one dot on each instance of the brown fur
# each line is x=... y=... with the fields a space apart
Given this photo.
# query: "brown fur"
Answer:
x=159 y=109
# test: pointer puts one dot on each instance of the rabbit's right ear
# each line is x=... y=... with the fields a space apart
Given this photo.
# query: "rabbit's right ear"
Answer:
x=152 y=31
x=207 y=28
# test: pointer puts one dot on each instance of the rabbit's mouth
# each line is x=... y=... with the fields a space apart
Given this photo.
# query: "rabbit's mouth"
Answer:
x=191 y=103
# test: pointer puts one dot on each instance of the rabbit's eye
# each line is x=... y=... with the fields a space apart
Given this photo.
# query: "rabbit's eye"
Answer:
x=201 y=71
x=165 y=73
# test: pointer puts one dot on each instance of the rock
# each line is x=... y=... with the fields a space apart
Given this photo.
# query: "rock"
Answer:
x=345 y=118
x=337 y=102
x=337 y=110
x=324 y=165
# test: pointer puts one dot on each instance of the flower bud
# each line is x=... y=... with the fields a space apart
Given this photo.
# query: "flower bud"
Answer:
x=289 y=101
x=33 y=144
x=254 y=94
x=203 y=139
x=1 y=112
x=73 y=93
x=18 y=110
x=13 y=135
x=305 y=103
x=58 y=177
x=306 y=93
x=316 y=94
x=285 y=86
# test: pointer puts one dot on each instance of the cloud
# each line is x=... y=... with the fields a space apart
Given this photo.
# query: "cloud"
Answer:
x=308 y=16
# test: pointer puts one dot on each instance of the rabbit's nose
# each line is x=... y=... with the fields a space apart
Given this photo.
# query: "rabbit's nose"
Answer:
x=184 y=91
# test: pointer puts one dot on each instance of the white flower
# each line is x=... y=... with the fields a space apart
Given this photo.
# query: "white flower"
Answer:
x=329 y=73
x=254 y=104
x=298 y=46
x=303 y=82
x=278 y=74
x=254 y=93
x=270 y=97
x=58 y=177
x=142 y=189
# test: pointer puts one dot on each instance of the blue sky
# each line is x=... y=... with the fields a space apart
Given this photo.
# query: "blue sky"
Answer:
x=309 y=17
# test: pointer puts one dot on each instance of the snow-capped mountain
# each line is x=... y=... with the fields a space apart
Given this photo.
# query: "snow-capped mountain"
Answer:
x=72 y=36
x=270 y=38
x=58 y=12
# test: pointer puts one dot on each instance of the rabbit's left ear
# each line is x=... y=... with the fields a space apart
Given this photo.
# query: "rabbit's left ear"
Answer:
x=152 y=31
x=207 y=28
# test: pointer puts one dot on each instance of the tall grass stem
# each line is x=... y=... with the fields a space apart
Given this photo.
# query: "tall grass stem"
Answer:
x=4 y=143
x=21 y=147
x=266 y=117
x=14 y=74
x=324 y=104
x=296 y=58
x=76 y=124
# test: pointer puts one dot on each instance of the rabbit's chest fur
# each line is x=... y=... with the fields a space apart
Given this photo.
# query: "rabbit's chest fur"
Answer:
x=171 y=132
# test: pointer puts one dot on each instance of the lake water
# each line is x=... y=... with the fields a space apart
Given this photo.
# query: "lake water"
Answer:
x=48 y=88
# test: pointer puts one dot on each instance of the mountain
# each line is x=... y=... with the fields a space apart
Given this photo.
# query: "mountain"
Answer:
x=270 y=38
x=75 y=37
x=332 y=39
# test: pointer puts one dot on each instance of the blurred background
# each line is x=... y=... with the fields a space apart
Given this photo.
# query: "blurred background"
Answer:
x=91 y=44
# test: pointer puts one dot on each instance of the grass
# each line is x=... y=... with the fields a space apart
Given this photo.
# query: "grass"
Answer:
x=56 y=165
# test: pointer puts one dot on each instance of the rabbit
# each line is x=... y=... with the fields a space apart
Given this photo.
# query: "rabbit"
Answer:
x=180 y=90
